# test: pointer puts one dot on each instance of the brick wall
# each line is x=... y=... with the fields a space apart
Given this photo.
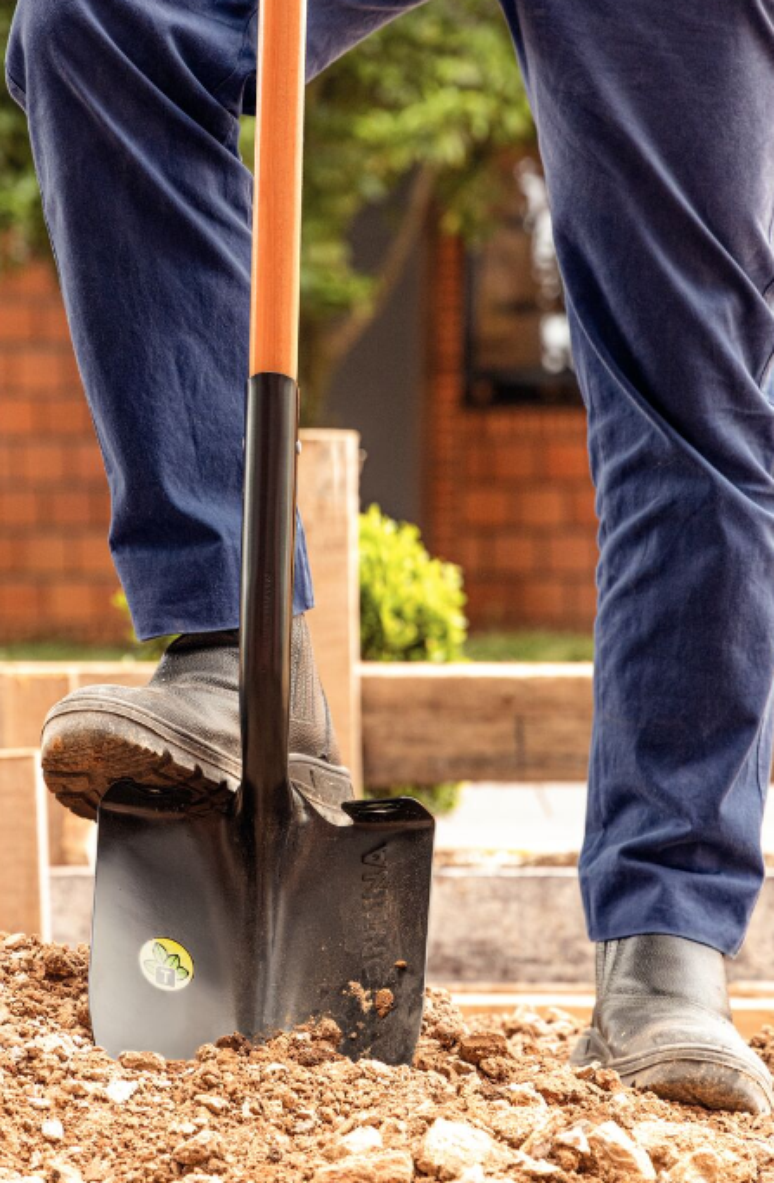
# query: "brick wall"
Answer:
x=56 y=575
x=507 y=490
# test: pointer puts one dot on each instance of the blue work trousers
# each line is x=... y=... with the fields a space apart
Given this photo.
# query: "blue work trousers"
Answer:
x=656 y=130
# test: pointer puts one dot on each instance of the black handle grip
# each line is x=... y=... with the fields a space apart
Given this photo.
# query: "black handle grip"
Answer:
x=268 y=544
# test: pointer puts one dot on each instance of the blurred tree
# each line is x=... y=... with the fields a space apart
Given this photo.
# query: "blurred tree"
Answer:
x=22 y=232
x=426 y=104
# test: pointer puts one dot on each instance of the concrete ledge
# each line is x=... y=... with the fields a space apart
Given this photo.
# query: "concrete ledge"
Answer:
x=487 y=925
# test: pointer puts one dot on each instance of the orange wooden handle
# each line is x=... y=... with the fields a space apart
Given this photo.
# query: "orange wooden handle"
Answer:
x=277 y=193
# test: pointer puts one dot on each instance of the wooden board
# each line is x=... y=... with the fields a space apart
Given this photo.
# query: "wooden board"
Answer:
x=476 y=721
x=24 y=903
x=328 y=480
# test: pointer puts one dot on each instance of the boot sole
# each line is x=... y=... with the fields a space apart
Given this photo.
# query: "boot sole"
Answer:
x=86 y=750
x=689 y=1074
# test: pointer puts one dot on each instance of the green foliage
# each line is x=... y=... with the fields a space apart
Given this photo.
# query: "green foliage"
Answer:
x=535 y=645
x=411 y=609
x=439 y=799
x=22 y=232
x=411 y=605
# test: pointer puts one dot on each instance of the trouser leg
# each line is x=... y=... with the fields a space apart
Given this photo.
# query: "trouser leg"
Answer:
x=655 y=129
x=133 y=109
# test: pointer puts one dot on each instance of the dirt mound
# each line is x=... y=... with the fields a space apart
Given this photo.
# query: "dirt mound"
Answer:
x=487 y=1099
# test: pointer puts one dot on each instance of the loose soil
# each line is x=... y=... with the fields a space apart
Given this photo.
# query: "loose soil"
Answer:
x=488 y=1098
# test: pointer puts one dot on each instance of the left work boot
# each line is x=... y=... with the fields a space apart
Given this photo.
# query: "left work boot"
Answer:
x=662 y=1020
x=182 y=730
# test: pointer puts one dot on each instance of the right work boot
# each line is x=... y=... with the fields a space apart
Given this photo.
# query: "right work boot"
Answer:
x=662 y=1020
x=182 y=730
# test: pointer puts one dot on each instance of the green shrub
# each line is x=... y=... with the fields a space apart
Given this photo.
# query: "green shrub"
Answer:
x=411 y=609
x=411 y=605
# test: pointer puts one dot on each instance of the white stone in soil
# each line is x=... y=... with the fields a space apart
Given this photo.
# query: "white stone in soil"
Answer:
x=361 y=1140
x=451 y=1147
x=14 y=940
x=537 y=1168
x=473 y=1175
x=613 y=1147
x=199 y=1150
x=52 y=1129
x=386 y=1166
x=212 y=1102
x=119 y=1091
x=575 y=1138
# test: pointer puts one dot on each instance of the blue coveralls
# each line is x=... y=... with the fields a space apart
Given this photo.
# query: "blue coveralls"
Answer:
x=656 y=125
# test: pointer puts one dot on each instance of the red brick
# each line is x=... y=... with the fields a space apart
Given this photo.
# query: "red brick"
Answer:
x=572 y=552
x=36 y=279
x=486 y=507
x=540 y=505
x=510 y=461
x=16 y=417
x=566 y=461
x=68 y=417
x=12 y=556
x=582 y=506
x=19 y=508
x=541 y=601
x=69 y=507
x=68 y=601
x=19 y=600
x=36 y=369
x=54 y=326
x=92 y=554
x=67 y=369
x=580 y=604
x=19 y=321
x=43 y=463
x=86 y=463
x=515 y=553
x=51 y=553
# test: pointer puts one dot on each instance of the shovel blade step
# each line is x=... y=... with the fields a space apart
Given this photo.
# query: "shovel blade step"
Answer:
x=184 y=949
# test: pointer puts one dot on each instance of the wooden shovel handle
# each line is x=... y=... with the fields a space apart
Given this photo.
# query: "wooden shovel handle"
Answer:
x=277 y=192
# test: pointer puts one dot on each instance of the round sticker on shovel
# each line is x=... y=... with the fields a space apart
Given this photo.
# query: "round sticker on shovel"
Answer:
x=166 y=964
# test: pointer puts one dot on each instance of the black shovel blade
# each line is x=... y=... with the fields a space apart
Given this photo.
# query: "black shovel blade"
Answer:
x=184 y=950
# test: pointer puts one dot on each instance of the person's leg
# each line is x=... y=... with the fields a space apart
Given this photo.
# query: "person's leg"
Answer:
x=133 y=108
x=655 y=129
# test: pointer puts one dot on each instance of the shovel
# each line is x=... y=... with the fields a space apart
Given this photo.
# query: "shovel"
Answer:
x=278 y=909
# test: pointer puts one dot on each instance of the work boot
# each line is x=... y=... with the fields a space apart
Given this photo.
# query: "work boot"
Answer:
x=183 y=729
x=663 y=1022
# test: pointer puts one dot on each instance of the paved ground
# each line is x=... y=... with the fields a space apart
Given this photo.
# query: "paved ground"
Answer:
x=537 y=818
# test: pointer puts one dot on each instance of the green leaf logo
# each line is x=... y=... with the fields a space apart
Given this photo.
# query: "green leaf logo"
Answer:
x=166 y=964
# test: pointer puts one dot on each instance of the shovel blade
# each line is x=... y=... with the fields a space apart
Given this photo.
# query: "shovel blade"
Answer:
x=183 y=950
x=167 y=899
